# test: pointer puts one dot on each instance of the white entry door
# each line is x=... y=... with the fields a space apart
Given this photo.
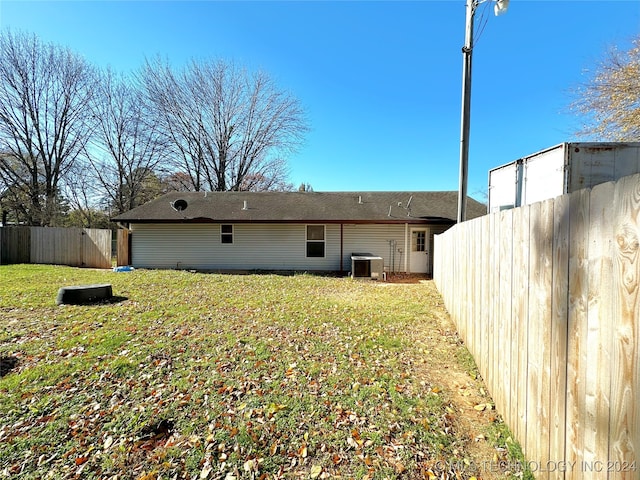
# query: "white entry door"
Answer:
x=419 y=255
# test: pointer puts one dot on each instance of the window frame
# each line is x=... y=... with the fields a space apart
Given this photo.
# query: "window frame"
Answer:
x=226 y=235
x=314 y=242
x=416 y=235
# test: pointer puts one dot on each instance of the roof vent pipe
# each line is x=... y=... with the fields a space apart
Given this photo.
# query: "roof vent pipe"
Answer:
x=360 y=199
x=245 y=206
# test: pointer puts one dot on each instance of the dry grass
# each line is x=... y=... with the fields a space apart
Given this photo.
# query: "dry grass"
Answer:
x=221 y=376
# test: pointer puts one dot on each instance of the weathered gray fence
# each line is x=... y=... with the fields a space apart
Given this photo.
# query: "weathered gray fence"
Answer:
x=15 y=245
x=547 y=299
x=77 y=247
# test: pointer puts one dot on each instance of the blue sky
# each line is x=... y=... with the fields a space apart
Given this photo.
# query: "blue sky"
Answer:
x=380 y=80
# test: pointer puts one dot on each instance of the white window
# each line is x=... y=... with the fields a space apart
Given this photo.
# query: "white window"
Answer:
x=315 y=240
x=419 y=241
x=226 y=233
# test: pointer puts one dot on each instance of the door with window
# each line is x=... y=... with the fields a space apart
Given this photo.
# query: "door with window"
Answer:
x=419 y=252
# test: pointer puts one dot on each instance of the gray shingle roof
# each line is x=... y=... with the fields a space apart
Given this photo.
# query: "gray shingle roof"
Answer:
x=290 y=207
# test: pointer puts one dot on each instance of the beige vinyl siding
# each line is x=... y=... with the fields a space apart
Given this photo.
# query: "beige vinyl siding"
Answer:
x=254 y=247
x=265 y=246
x=375 y=239
x=172 y=246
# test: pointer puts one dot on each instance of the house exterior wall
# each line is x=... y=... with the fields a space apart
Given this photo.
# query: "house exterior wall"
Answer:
x=386 y=241
x=255 y=247
x=262 y=246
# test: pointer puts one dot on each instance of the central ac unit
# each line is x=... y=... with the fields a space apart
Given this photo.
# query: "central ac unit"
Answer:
x=366 y=265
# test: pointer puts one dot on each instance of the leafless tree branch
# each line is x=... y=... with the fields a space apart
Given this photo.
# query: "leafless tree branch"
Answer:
x=45 y=92
x=228 y=127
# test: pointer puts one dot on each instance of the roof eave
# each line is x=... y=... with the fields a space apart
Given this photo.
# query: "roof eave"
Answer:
x=411 y=220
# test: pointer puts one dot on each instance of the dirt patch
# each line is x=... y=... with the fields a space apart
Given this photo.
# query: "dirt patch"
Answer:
x=406 y=278
x=448 y=367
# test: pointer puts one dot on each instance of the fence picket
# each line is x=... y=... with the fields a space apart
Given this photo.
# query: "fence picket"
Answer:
x=625 y=388
x=577 y=328
x=598 y=341
x=503 y=344
x=559 y=318
x=520 y=320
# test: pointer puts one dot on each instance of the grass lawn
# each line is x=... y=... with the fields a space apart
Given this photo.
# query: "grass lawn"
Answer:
x=189 y=375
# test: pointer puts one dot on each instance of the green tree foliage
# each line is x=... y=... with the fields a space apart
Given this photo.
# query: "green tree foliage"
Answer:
x=18 y=207
x=145 y=187
x=87 y=218
x=609 y=102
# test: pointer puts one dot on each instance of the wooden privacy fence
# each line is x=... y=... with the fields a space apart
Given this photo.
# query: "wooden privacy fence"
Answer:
x=15 y=245
x=77 y=247
x=547 y=300
x=123 y=250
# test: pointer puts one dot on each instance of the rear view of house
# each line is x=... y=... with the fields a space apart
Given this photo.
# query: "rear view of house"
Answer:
x=290 y=231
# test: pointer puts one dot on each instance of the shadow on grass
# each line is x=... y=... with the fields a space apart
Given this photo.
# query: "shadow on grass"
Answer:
x=98 y=302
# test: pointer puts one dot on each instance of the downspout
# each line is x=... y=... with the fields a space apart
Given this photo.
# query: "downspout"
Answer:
x=341 y=248
x=406 y=248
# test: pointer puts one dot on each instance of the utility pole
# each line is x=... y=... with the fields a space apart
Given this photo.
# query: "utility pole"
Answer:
x=465 y=121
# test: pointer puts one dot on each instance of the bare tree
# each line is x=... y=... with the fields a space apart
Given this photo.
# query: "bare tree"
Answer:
x=226 y=126
x=84 y=194
x=609 y=102
x=172 y=108
x=44 y=97
x=126 y=148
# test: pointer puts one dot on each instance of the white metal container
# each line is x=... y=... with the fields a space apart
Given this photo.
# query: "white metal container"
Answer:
x=558 y=170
